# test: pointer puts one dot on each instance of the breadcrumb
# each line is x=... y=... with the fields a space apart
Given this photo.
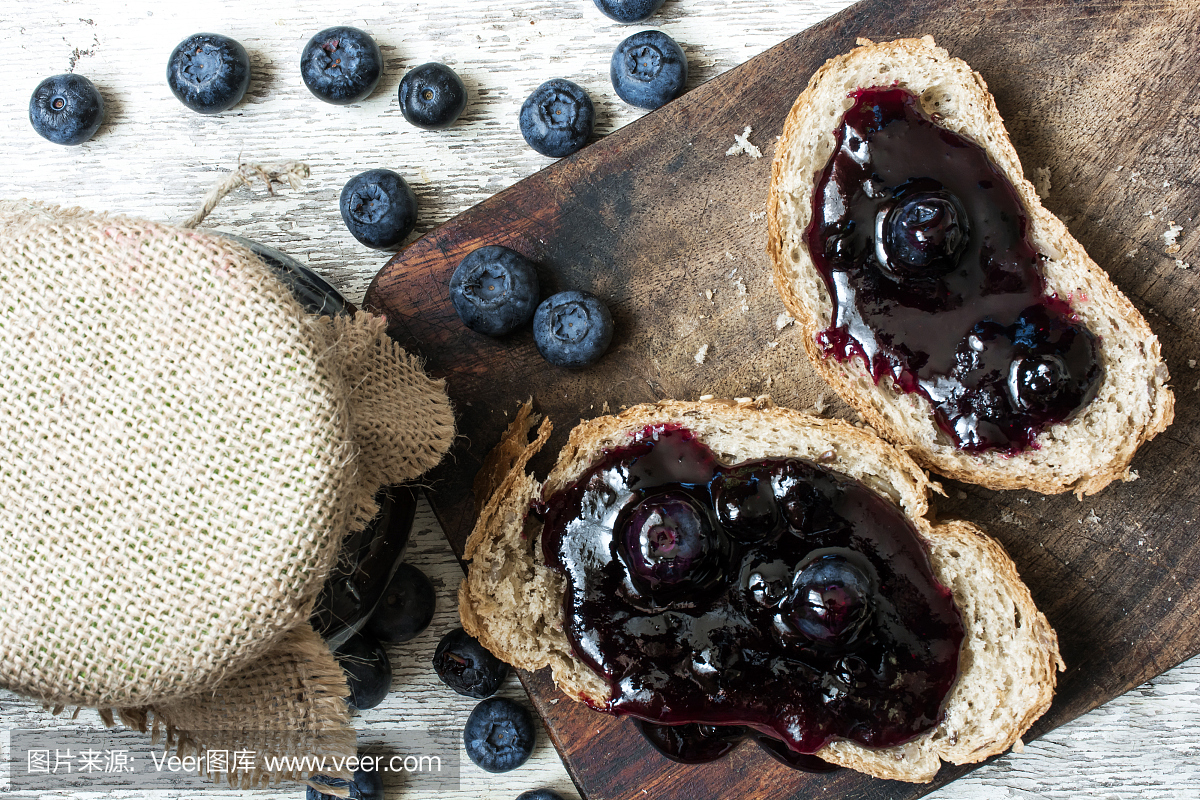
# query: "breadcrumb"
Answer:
x=1041 y=181
x=741 y=144
x=783 y=320
x=702 y=354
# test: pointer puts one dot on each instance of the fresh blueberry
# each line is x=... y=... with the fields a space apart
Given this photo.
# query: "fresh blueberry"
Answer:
x=540 y=794
x=406 y=607
x=572 y=329
x=66 y=109
x=432 y=96
x=499 y=735
x=208 y=72
x=368 y=671
x=629 y=10
x=468 y=667
x=557 y=118
x=341 y=65
x=379 y=208
x=494 y=290
x=648 y=69
x=367 y=784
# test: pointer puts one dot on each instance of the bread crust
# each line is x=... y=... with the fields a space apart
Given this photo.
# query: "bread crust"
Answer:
x=1133 y=404
x=512 y=602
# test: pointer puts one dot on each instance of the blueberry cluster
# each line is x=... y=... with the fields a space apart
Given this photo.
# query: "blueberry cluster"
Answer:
x=495 y=290
x=648 y=69
x=374 y=598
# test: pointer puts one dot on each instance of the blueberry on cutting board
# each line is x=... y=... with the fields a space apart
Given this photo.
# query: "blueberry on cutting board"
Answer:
x=648 y=70
x=432 y=96
x=557 y=118
x=341 y=65
x=468 y=667
x=66 y=109
x=499 y=735
x=494 y=290
x=572 y=329
x=406 y=607
x=209 y=73
x=628 y=11
x=368 y=671
x=379 y=208
x=540 y=794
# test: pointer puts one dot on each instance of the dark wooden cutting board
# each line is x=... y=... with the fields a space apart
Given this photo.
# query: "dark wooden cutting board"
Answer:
x=1105 y=94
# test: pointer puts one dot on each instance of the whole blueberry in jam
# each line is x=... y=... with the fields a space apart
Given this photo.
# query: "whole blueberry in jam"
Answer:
x=831 y=600
x=648 y=69
x=209 y=73
x=341 y=65
x=691 y=743
x=66 y=109
x=746 y=503
x=557 y=118
x=672 y=546
x=923 y=232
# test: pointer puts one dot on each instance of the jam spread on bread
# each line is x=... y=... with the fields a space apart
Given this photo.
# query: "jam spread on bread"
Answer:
x=774 y=594
x=924 y=247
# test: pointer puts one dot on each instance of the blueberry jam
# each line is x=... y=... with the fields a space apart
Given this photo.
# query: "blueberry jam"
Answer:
x=774 y=594
x=924 y=247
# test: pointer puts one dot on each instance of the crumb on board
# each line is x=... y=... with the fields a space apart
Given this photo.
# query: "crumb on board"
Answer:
x=1018 y=746
x=783 y=320
x=1191 y=363
x=705 y=397
x=1171 y=236
x=702 y=354
x=1041 y=181
x=741 y=144
x=1181 y=264
x=772 y=345
x=708 y=295
x=755 y=216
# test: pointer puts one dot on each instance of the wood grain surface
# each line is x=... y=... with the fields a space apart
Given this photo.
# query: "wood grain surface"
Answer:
x=153 y=158
x=663 y=224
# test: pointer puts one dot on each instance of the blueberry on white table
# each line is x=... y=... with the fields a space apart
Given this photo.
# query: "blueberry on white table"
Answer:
x=648 y=69
x=341 y=65
x=557 y=118
x=66 y=109
x=379 y=208
x=466 y=666
x=628 y=11
x=367 y=784
x=499 y=735
x=406 y=608
x=209 y=73
x=432 y=96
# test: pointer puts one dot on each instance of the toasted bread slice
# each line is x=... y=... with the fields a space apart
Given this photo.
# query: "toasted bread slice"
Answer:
x=513 y=603
x=1083 y=454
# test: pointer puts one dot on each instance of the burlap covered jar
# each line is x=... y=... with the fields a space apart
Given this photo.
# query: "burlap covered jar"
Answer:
x=186 y=448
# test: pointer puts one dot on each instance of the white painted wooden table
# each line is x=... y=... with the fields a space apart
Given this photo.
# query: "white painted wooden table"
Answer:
x=154 y=158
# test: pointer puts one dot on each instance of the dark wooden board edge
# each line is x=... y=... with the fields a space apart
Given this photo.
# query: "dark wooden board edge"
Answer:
x=1141 y=103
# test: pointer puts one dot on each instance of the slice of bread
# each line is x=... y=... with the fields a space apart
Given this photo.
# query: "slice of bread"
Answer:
x=513 y=603
x=1085 y=453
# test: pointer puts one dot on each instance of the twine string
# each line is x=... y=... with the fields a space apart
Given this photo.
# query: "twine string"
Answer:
x=292 y=173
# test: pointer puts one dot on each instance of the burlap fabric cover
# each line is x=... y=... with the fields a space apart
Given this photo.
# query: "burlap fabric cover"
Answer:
x=185 y=450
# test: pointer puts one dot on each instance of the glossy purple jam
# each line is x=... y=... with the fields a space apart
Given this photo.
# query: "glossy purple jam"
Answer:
x=774 y=594
x=924 y=247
